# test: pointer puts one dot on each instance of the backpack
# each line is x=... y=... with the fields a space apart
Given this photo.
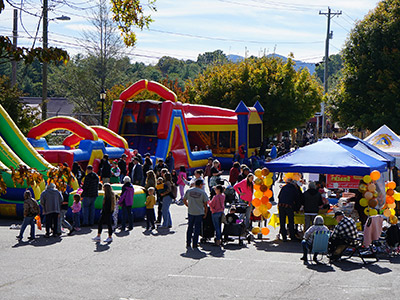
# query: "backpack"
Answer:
x=174 y=191
x=35 y=209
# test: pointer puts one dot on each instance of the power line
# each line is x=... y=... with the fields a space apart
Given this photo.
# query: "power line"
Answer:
x=231 y=40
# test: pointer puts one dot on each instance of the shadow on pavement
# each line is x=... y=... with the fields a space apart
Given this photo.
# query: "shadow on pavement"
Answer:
x=321 y=267
x=40 y=241
x=194 y=254
x=348 y=265
x=101 y=247
x=214 y=251
x=279 y=246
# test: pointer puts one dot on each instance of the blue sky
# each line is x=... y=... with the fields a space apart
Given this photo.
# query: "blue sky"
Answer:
x=186 y=28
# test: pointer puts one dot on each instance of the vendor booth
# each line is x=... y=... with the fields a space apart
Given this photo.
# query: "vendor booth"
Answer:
x=330 y=157
x=386 y=140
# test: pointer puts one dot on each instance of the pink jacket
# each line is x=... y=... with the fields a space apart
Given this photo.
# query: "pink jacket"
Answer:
x=241 y=187
x=180 y=181
x=76 y=207
x=217 y=203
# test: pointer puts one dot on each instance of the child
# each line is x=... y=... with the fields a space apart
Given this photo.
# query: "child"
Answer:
x=115 y=172
x=182 y=178
x=76 y=209
x=217 y=206
x=106 y=212
x=160 y=189
x=150 y=216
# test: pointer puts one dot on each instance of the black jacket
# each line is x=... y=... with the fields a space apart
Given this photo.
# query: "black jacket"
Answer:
x=290 y=195
x=312 y=201
x=90 y=185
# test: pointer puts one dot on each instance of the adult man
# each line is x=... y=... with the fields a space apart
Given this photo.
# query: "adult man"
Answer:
x=136 y=153
x=159 y=166
x=344 y=234
x=289 y=198
x=105 y=169
x=122 y=167
x=137 y=171
x=312 y=202
x=196 y=200
x=51 y=199
x=90 y=192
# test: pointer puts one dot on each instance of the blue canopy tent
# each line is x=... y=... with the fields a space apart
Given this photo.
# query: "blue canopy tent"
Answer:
x=365 y=147
x=327 y=157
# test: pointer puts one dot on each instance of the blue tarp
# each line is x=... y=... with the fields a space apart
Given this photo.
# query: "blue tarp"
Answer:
x=365 y=147
x=327 y=157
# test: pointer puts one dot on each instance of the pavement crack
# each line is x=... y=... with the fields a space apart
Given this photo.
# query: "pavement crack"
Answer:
x=189 y=267
x=305 y=282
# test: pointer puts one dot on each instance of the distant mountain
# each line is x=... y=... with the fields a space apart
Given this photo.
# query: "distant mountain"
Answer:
x=235 y=58
x=299 y=64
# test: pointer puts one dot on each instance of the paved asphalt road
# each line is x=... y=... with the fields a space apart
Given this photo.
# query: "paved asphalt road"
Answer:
x=140 y=265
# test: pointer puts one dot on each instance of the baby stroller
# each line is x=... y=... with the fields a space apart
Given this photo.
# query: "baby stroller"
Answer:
x=234 y=227
x=207 y=228
x=230 y=195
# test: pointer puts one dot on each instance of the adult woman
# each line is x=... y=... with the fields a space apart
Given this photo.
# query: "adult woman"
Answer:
x=215 y=173
x=245 y=190
x=126 y=202
x=150 y=180
x=31 y=209
x=166 y=201
x=147 y=166
x=217 y=206
x=106 y=213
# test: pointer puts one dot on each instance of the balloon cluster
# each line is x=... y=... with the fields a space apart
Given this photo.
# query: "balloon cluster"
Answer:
x=294 y=176
x=262 y=194
x=391 y=197
x=369 y=192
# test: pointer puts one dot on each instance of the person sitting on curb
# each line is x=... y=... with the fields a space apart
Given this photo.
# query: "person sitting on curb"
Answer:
x=308 y=240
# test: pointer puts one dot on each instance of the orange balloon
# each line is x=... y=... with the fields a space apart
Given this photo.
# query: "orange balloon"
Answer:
x=296 y=177
x=269 y=193
x=264 y=171
x=372 y=203
x=257 y=187
x=390 y=192
x=387 y=213
x=391 y=185
x=375 y=175
x=392 y=205
x=265 y=231
x=263 y=188
x=269 y=205
x=256 y=202
x=368 y=195
x=389 y=199
x=264 y=200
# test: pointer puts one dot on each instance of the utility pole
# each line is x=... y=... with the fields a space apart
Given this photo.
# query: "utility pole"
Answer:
x=329 y=35
x=44 y=65
x=15 y=37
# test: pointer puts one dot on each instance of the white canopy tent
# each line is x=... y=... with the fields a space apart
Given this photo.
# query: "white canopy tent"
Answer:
x=385 y=139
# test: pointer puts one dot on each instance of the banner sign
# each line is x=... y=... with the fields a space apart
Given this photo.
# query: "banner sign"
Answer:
x=342 y=181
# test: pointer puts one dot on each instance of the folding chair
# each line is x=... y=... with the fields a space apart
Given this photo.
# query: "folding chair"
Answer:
x=320 y=243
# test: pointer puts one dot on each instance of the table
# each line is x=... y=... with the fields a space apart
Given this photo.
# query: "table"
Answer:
x=329 y=220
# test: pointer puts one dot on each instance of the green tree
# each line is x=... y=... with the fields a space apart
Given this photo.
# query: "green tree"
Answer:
x=334 y=70
x=289 y=98
x=21 y=114
x=367 y=96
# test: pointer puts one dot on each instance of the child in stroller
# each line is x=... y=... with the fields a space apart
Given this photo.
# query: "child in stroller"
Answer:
x=233 y=226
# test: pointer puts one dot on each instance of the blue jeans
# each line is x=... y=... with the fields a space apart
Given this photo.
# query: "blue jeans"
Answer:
x=62 y=221
x=167 y=221
x=126 y=216
x=28 y=221
x=194 y=223
x=216 y=218
x=88 y=210
x=77 y=219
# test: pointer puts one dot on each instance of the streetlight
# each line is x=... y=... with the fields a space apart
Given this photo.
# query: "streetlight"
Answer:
x=102 y=99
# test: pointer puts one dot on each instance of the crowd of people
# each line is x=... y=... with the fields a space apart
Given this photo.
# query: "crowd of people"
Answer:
x=165 y=184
